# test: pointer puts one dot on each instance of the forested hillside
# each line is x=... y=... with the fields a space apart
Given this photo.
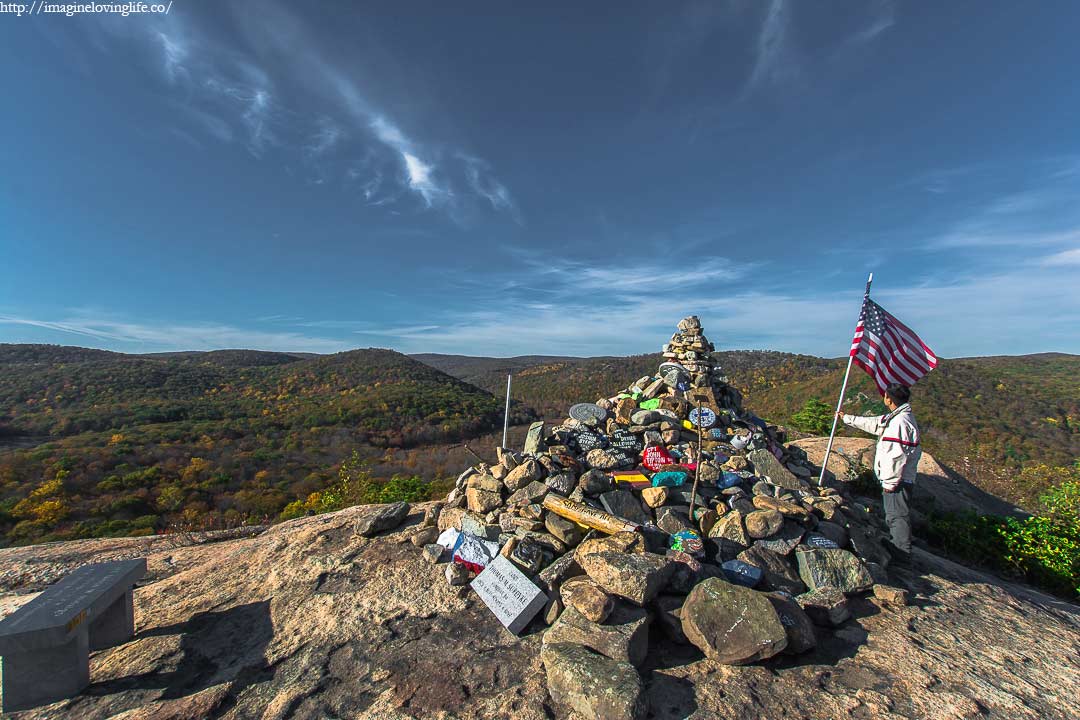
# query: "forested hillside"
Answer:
x=137 y=443
x=96 y=443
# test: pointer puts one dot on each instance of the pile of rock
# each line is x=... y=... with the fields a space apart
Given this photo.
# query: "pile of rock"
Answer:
x=600 y=513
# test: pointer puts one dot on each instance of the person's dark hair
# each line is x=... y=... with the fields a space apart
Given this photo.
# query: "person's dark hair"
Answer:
x=898 y=393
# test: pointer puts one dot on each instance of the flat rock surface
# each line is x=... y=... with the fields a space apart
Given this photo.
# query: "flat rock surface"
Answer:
x=307 y=621
x=948 y=490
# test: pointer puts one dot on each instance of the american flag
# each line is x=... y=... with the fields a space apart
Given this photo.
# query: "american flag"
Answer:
x=888 y=350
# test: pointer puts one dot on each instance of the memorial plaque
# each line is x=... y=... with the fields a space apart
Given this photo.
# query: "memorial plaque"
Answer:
x=815 y=540
x=509 y=594
x=588 y=413
x=705 y=418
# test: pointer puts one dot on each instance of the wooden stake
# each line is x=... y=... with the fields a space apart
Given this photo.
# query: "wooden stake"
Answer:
x=588 y=516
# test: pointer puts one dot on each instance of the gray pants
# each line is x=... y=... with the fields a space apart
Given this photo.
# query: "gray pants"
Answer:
x=898 y=517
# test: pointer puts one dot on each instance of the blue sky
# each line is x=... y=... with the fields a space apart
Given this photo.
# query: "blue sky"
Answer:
x=555 y=178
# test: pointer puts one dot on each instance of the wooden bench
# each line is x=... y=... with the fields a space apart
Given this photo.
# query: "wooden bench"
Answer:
x=45 y=645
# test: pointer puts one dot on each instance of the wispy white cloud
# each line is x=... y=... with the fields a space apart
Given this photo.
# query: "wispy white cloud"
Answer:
x=421 y=179
x=486 y=185
x=125 y=334
x=1040 y=213
x=406 y=331
x=882 y=17
x=1065 y=258
x=779 y=59
x=1000 y=238
x=975 y=315
x=276 y=86
x=772 y=61
x=325 y=138
x=572 y=276
x=174 y=53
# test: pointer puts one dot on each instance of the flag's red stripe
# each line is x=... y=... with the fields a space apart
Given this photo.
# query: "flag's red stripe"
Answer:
x=878 y=370
x=918 y=351
x=883 y=364
x=871 y=373
x=894 y=361
x=913 y=338
x=912 y=368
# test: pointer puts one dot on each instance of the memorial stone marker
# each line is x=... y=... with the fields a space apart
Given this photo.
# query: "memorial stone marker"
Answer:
x=509 y=593
x=588 y=413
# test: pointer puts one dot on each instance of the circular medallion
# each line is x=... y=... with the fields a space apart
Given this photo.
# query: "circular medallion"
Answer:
x=705 y=418
x=588 y=413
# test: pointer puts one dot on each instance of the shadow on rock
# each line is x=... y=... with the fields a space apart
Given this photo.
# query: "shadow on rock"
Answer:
x=671 y=697
x=216 y=647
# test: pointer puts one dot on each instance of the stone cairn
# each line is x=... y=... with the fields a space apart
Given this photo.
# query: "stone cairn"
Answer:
x=597 y=513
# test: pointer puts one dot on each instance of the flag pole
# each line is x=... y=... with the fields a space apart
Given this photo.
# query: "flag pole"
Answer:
x=840 y=402
x=506 y=415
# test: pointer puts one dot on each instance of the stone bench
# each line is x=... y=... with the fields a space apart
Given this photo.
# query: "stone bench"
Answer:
x=45 y=645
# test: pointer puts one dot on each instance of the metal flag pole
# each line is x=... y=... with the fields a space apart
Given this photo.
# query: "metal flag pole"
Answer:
x=506 y=416
x=843 y=389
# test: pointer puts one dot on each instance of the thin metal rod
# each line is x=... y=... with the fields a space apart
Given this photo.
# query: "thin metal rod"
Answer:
x=843 y=389
x=697 y=467
x=506 y=417
x=472 y=452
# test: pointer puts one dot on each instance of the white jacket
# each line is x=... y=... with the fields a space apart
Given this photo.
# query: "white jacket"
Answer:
x=898 y=450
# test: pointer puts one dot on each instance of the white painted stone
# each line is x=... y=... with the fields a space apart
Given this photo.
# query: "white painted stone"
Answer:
x=509 y=593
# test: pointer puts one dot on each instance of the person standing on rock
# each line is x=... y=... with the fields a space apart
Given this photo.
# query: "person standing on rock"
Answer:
x=895 y=463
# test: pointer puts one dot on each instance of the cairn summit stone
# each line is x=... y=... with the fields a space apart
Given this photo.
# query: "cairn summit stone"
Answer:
x=623 y=636
x=638 y=577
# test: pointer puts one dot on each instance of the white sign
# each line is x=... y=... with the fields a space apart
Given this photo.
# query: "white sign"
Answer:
x=509 y=593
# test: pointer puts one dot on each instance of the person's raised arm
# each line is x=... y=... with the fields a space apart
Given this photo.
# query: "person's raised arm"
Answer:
x=871 y=424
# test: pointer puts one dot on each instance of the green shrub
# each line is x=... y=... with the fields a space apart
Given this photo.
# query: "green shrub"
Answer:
x=968 y=536
x=145 y=522
x=1043 y=549
x=404 y=489
x=356 y=486
x=815 y=417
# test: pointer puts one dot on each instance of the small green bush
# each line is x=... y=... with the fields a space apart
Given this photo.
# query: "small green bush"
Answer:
x=1043 y=549
x=357 y=486
x=405 y=489
x=815 y=417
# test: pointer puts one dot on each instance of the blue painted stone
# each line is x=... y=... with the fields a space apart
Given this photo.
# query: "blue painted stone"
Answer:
x=742 y=573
